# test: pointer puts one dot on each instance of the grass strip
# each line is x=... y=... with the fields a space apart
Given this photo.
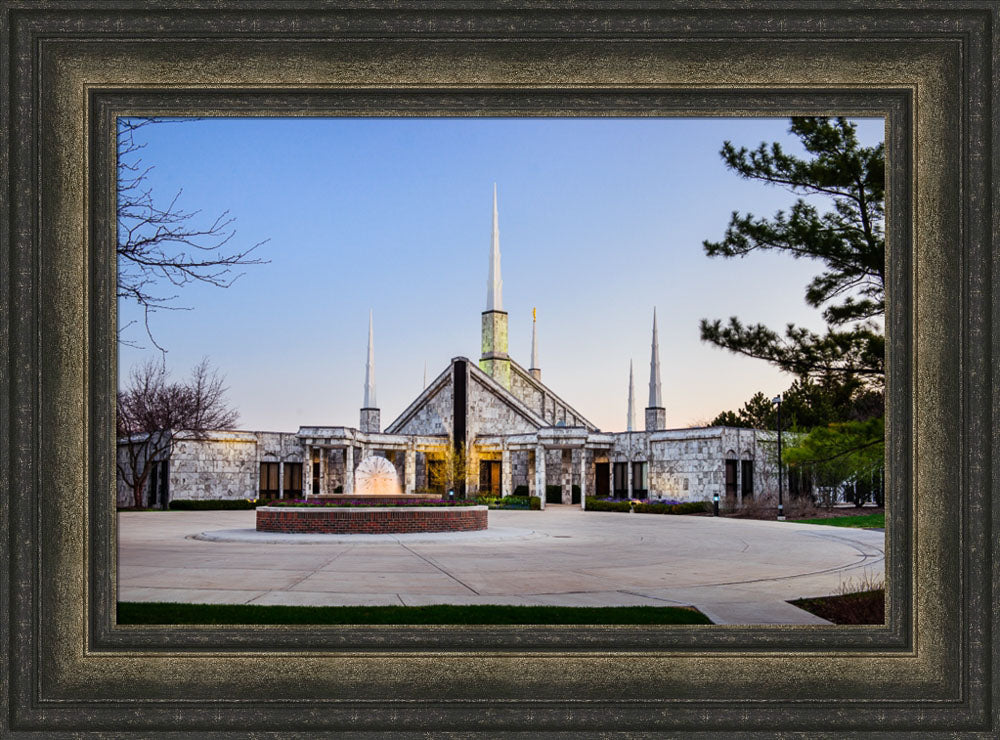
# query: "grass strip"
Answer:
x=133 y=612
x=860 y=521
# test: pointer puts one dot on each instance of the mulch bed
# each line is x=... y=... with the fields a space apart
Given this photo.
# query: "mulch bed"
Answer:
x=865 y=607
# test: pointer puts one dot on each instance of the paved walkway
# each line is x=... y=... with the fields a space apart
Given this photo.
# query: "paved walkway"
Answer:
x=735 y=571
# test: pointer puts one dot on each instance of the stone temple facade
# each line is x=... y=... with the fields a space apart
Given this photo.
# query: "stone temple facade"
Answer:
x=514 y=434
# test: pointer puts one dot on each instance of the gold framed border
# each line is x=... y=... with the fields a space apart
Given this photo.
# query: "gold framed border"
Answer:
x=69 y=68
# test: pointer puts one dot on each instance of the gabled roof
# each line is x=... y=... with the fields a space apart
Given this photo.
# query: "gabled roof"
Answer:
x=511 y=400
x=540 y=386
x=432 y=389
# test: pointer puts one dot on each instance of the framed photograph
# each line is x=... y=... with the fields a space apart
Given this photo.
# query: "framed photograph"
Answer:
x=73 y=74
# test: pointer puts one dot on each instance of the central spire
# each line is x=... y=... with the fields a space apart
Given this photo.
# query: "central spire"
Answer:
x=494 y=288
x=494 y=360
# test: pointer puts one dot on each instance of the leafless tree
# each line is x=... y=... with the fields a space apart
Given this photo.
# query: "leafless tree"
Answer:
x=153 y=412
x=160 y=245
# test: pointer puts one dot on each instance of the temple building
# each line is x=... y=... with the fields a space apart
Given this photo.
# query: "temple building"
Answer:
x=512 y=433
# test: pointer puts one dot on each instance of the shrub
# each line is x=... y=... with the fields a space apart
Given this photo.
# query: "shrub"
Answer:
x=521 y=491
x=643 y=507
x=687 y=507
x=599 y=504
x=510 y=502
x=553 y=494
x=217 y=504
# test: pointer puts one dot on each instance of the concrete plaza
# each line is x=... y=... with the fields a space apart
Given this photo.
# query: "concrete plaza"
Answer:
x=735 y=571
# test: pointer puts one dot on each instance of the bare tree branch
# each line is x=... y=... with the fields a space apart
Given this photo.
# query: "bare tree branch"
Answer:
x=159 y=245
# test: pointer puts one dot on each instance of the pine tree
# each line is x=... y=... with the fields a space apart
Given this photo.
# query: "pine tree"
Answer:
x=848 y=239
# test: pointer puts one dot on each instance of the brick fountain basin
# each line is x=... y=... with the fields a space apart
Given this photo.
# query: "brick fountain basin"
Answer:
x=370 y=519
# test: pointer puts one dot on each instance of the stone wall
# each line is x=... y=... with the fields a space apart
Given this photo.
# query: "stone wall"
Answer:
x=489 y=414
x=526 y=392
x=225 y=467
x=435 y=415
x=532 y=394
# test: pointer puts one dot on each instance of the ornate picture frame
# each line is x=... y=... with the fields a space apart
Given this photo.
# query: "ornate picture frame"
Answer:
x=69 y=69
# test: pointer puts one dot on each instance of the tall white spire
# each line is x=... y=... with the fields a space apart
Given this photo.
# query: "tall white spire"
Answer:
x=494 y=289
x=630 y=425
x=655 y=396
x=370 y=402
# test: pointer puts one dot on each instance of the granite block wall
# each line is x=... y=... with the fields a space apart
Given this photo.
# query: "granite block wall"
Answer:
x=435 y=416
x=226 y=468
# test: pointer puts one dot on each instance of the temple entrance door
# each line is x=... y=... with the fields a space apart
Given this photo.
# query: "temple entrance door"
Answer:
x=602 y=484
x=489 y=477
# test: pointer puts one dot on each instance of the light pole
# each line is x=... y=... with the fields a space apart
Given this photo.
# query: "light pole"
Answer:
x=781 y=507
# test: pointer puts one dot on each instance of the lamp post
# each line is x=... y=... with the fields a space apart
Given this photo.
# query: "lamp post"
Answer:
x=781 y=507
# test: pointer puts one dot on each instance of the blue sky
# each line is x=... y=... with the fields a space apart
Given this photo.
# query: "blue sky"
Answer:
x=600 y=221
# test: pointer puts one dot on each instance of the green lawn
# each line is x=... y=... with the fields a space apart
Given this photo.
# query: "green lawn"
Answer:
x=862 y=520
x=170 y=613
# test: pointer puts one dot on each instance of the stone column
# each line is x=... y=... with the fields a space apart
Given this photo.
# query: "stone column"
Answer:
x=410 y=469
x=566 y=475
x=281 y=479
x=739 y=477
x=530 y=464
x=540 y=474
x=307 y=466
x=349 y=469
x=628 y=471
x=583 y=478
x=506 y=473
x=611 y=474
x=322 y=471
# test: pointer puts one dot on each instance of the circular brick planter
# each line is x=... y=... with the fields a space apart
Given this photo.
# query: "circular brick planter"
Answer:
x=370 y=520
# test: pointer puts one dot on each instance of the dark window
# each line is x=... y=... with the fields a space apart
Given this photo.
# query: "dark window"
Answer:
x=746 y=478
x=621 y=480
x=293 y=478
x=640 y=482
x=164 y=483
x=268 y=487
x=602 y=484
x=731 y=478
x=154 y=480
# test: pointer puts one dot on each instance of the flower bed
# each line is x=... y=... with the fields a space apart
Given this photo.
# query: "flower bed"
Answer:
x=369 y=501
x=510 y=502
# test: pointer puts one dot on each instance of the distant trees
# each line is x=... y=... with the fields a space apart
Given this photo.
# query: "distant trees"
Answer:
x=160 y=243
x=806 y=404
x=846 y=451
x=152 y=411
